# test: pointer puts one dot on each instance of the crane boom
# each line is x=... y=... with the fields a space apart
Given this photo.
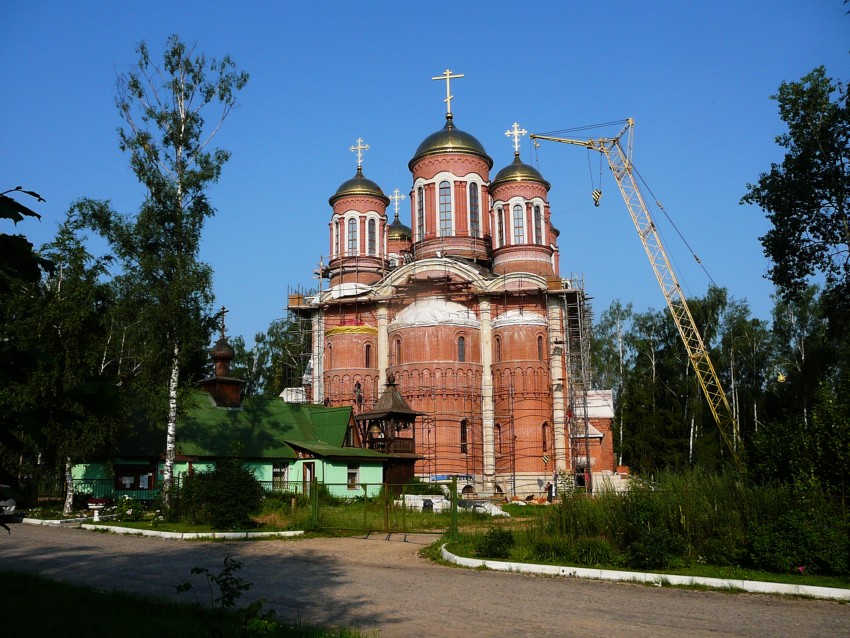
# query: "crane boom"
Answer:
x=619 y=160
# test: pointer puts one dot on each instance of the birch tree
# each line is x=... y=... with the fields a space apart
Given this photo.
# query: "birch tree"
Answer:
x=167 y=134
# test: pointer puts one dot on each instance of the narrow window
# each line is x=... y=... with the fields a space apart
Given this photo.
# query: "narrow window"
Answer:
x=329 y=357
x=397 y=352
x=337 y=245
x=519 y=229
x=420 y=214
x=463 y=437
x=540 y=348
x=368 y=355
x=545 y=437
x=373 y=244
x=500 y=215
x=461 y=349
x=538 y=225
x=498 y=349
x=280 y=473
x=498 y=438
x=445 y=209
x=353 y=476
x=352 y=236
x=474 y=211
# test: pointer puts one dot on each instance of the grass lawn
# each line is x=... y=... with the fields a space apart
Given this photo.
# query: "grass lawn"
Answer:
x=465 y=546
x=37 y=606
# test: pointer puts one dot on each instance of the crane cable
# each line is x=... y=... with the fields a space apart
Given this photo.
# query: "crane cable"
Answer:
x=676 y=228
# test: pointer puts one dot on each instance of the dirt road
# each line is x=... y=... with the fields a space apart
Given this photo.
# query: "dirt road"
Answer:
x=378 y=584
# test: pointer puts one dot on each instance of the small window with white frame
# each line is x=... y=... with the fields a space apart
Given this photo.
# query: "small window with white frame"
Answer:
x=519 y=226
x=353 y=476
x=280 y=476
x=352 y=237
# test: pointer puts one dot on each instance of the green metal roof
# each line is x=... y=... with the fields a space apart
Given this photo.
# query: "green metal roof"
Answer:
x=261 y=426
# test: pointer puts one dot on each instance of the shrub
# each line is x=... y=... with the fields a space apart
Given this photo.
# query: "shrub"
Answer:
x=224 y=497
x=596 y=551
x=128 y=509
x=799 y=539
x=496 y=543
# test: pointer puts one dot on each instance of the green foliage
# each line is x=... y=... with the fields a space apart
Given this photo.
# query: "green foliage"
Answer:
x=166 y=291
x=225 y=589
x=596 y=551
x=276 y=362
x=807 y=197
x=62 y=400
x=697 y=517
x=128 y=509
x=496 y=543
x=225 y=497
x=802 y=541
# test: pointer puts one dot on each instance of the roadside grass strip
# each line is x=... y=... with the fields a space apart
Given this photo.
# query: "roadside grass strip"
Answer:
x=660 y=580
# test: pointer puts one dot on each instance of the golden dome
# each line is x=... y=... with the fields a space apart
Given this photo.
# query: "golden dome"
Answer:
x=397 y=230
x=518 y=172
x=450 y=140
x=359 y=185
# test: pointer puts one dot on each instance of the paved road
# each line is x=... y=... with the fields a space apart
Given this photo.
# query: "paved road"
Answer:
x=373 y=583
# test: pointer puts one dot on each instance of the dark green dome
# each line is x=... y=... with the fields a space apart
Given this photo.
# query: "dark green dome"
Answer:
x=397 y=230
x=359 y=185
x=518 y=172
x=450 y=139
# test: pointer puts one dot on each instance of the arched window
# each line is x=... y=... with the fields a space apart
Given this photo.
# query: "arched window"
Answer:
x=461 y=349
x=540 y=348
x=498 y=432
x=445 y=209
x=538 y=225
x=498 y=349
x=464 y=434
x=420 y=214
x=519 y=227
x=474 y=211
x=397 y=351
x=337 y=244
x=352 y=236
x=500 y=220
x=368 y=356
x=373 y=243
x=545 y=436
x=329 y=357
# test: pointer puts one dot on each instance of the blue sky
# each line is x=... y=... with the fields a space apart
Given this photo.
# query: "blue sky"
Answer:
x=695 y=76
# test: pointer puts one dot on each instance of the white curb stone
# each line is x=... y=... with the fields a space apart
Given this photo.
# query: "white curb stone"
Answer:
x=641 y=577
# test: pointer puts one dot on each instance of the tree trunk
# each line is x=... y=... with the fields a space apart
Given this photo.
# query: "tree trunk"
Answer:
x=69 y=489
x=171 y=431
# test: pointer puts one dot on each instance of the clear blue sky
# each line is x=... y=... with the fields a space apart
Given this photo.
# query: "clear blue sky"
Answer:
x=695 y=76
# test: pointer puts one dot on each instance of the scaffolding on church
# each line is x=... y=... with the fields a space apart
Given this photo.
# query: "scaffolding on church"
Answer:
x=577 y=325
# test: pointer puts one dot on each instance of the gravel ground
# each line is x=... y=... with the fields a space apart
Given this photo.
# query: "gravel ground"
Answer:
x=381 y=584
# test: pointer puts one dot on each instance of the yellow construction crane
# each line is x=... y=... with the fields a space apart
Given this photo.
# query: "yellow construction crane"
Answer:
x=620 y=162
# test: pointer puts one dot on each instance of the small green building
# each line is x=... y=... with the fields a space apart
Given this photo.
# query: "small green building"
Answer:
x=287 y=445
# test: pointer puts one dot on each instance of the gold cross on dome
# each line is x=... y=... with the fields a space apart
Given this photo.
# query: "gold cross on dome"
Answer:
x=516 y=132
x=359 y=148
x=448 y=77
x=396 y=197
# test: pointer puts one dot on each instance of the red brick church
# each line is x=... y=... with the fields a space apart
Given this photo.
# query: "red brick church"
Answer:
x=466 y=311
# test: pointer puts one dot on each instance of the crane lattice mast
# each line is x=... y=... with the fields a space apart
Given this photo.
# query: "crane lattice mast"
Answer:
x=619 y=160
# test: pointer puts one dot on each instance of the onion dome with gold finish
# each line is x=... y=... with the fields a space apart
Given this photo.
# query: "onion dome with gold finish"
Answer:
x=450 y=139
x=397 y=230
x=517 y=171
x=359 y=185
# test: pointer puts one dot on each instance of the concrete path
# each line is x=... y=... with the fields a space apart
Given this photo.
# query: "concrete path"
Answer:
x=381 y=584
